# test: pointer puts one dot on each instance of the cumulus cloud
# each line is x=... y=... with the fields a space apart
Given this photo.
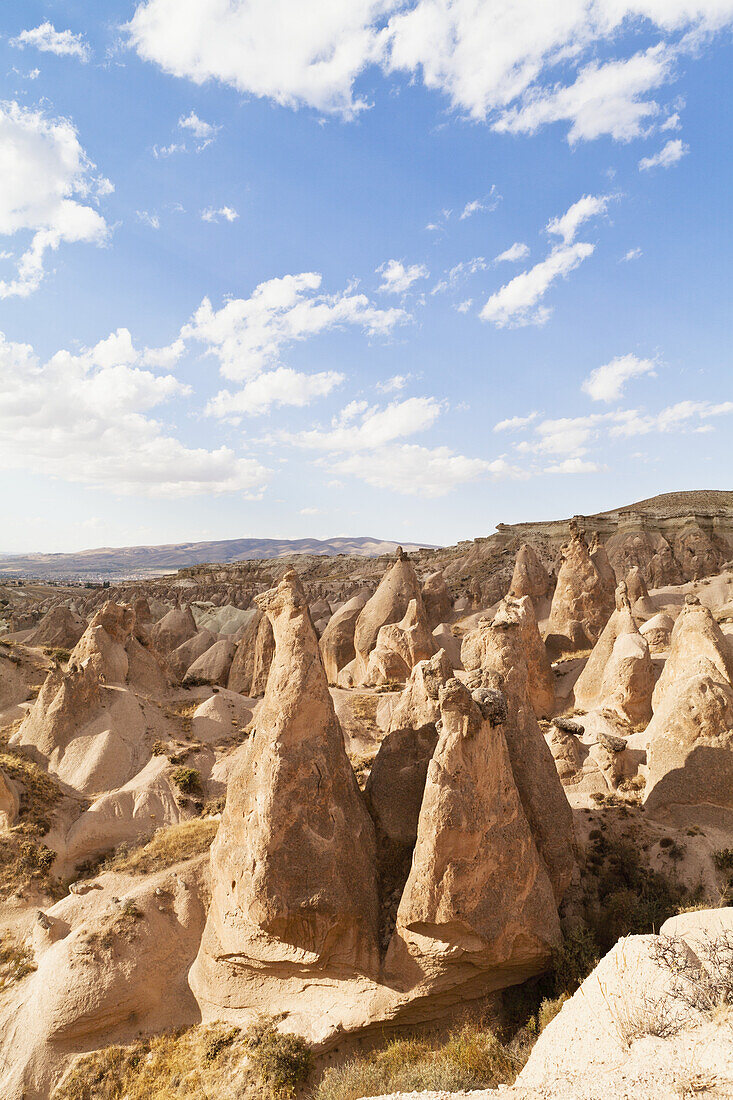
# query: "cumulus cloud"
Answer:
x=514 y=423
x=495 y=61
x=668 y=155
x=632 y=254
x=567 y=226
x=573 y=466
x=204 y=132
x=225 y=213
x=421 y=471
x=282 y=386
x=512 y=255
x=248 y=335
x=607 y=383
x=45 y=37
x=85 y=419
x=360 y=427
x=394 y=384
x=397 y=279
x=678 y=417
x=48 y=187
x=517 y=303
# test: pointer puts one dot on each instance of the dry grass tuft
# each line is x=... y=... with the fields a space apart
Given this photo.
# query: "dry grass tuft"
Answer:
x=16 y=960
x=470 y=1058
x=24 y=859
x=166 y=847
x=216 y=1062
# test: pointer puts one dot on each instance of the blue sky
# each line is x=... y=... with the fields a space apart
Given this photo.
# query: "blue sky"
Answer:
x=250 y=281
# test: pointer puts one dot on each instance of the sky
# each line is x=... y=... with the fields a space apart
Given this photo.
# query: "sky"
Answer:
x=398 y=268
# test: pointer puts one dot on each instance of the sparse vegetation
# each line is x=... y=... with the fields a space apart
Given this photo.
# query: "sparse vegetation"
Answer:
x=166 y=847
x=24 y=859
x=57 y=653
x=16 y=960
x=471 y=1057
x=282 y=1062
x=188 y=780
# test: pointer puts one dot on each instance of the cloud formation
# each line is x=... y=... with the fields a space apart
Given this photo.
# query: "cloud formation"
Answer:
x=668 y=155
x=397 y=279
x=48 y=187
x=607 y=383
x=45 y=37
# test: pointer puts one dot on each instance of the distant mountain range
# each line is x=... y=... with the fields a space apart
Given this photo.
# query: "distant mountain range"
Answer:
x=122 y=563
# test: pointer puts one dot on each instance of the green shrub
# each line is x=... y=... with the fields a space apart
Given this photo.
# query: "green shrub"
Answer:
x=188 y=780
x=281 y=1061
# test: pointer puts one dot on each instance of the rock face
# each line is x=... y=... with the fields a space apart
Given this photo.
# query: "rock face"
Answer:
x=437 y=599
x=478 y=902
x=583 y=599
x=389 y=603
x=504 y=665
x=293 y=864
x=264 y=652
x=658 y=632
x=213 y=666
x=181 y=659
x=173 y=630
x=337 y=640
x=400 y=646
x=478 y=644
x=59 y=628
x=619 y=673
x=695 y=637
x=690 y=738
x=530 y=578
x=9 y=803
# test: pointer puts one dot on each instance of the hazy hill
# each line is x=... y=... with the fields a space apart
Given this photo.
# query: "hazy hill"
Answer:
x=117 y=563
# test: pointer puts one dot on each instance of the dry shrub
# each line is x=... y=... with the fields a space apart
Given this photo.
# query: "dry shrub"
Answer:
x=16 y=960
x=702 y=978
x=470 y=1058
x=166 y=847
x=25 y=860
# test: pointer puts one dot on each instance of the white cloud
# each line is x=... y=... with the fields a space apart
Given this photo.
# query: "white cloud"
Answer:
x=397 y=279
x=394 y=384
x=573 y=466
x=375 y=427
x=567 y=435
x=310 y=512
x=512 y=255
x=568 y=224
x=669 y=154
x=296 y=54
x=282 y=386
x=514 y=423
x=84 y=418
x=671 y=123
x=517 y=303
x=607 y=383
x=458 y=273
x=147 y=218
x=47 y=185
x=671 y=419
x=608 y=98
x=228 y=213
x=421 y=471
x=45 y=37
x=478 y=206
x=464 y=307
x=496 y=61
x=248 y=335
x=632 y=254
x=160 y=151
x=204 y=132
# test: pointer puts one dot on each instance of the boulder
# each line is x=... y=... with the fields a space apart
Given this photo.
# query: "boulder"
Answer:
x=584 y=596
x=478 y=906
x=213 y=666
x=337 y=640
x=658 y=632
x=436 y=599
x=389 y=603
x=293 y=865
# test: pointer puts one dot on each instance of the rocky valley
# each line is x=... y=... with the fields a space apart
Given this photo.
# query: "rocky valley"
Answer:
x=343 y=826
